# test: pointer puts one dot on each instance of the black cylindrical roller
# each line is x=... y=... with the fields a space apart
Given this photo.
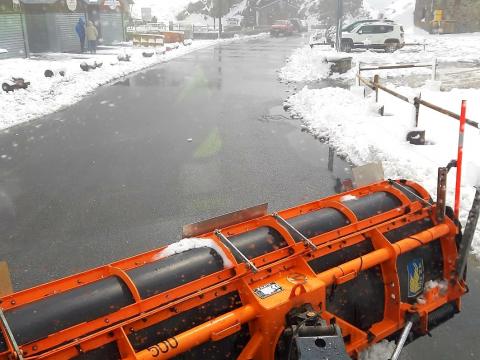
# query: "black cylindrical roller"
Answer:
x=44 y=317
x=257 y=242
x=55 y=313
x=374 y=204
x=170 y=272
x=318 y=222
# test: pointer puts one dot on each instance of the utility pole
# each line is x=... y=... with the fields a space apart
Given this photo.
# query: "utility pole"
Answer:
x=220 y=10
x=338 y=38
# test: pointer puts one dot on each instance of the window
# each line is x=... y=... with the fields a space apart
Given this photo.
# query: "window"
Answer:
x=381 y=29
x=368 y=29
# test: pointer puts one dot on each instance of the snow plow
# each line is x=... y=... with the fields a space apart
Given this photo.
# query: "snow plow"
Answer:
x=325 y=279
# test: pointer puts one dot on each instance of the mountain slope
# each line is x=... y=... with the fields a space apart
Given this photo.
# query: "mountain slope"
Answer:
x=162 y=9
x=400 y=11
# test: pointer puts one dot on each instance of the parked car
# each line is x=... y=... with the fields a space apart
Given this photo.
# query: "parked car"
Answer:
x=282 y=27
x=353 y=25
x=299 y=25
x=327 y=34
x=379 y=35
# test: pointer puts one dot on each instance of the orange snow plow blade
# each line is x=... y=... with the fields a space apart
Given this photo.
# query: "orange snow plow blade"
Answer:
x=353 y=267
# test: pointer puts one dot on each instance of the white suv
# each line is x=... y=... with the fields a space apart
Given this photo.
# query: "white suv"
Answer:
x=387 y=36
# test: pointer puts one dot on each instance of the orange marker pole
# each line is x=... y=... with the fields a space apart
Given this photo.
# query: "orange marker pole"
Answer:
x=460 y=157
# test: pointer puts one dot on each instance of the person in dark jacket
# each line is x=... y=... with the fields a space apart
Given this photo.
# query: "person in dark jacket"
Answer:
x=80 y=29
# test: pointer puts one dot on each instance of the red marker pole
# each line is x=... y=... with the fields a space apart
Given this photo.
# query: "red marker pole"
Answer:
x=460 y=157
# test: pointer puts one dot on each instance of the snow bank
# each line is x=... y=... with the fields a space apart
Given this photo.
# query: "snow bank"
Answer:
x=48 y=95
x=306 y=65
x=193 y=243
x=355 y=129
x=379 y=351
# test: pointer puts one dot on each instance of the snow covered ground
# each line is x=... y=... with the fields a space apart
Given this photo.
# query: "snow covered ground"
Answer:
x=354 y=128
x=306 y=64
x=380 y=351
x=47 y=95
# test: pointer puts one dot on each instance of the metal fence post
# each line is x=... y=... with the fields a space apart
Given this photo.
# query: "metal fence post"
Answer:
x=441 y=193
x=331 y=158
x=375 y=83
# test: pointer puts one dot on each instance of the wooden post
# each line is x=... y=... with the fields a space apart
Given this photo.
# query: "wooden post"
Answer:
x=434 y=69
x=5 y=281
x=375 y=83
x=359 y=69
x=417 y=108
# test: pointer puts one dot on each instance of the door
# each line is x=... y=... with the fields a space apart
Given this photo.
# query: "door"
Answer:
x=11 y=36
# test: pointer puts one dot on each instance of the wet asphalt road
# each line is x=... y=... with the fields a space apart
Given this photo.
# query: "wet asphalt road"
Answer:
x=117 y=174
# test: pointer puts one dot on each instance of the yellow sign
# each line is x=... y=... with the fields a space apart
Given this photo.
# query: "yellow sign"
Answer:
x=438 y=15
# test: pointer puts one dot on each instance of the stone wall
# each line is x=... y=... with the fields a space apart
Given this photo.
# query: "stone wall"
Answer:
x=465 y=13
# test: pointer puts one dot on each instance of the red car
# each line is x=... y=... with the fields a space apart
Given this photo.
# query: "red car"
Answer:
x=282 y=27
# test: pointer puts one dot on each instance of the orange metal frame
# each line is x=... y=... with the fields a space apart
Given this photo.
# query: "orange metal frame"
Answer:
x=288 y=267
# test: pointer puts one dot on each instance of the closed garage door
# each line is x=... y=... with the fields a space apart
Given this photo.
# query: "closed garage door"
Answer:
x=11 y=35
x=65 y=28
x=111 y=27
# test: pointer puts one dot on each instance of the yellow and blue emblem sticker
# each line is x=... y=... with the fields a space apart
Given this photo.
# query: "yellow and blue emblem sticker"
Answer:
x=416 y=277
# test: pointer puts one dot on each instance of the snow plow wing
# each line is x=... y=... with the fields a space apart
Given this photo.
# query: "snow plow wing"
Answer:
x=355 y=267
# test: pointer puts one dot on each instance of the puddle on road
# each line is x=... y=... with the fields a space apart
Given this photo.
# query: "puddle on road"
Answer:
x=311 y=149
x=277 y=114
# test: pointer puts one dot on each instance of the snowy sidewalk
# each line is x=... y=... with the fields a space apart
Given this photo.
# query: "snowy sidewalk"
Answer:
x=47 y=95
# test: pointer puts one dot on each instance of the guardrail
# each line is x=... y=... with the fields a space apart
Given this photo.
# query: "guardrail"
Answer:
x=367 y=67
x=416 y=101
x=158 y=27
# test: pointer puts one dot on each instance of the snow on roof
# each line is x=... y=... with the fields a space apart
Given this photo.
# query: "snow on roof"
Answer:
x=261 y=4
x=49 y=2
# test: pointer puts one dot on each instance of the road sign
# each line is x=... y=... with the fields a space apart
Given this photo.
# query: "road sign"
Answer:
x=72 y=5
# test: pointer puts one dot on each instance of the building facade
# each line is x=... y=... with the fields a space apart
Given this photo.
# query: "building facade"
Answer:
x=12 y=30
x=49 y=25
